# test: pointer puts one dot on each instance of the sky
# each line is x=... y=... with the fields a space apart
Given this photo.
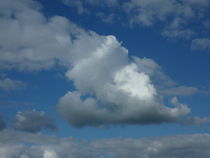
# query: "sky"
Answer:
x=104 y=78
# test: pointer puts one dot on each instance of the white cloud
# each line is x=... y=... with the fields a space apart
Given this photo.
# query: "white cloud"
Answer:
x=33 y=121
x=49 y=154
x=45 y=146
x=110 y=87
x=121 y=91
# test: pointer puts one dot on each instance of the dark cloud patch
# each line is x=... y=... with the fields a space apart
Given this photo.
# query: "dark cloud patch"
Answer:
x=33 y=121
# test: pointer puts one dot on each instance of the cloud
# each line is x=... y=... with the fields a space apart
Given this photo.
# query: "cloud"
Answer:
x=82 y=6
x=33 y=121
x=174 y=17
x=201 y=44
x=121 y=91
x=49 y=154
x=8 y=84
x=29 y=41
x=179 y=91
x=110 y=87
x=164 y=85
x=188 y=146
x=196 y=121
x=2 y=124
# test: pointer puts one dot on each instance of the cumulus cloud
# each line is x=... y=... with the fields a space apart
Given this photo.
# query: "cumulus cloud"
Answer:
x=33 y=121
x=29 y=41
x=121 y=91
x=45 y=146
x=110 y=88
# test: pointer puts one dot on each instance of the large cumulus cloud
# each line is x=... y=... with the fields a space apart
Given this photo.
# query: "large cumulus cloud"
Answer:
x=120 y=90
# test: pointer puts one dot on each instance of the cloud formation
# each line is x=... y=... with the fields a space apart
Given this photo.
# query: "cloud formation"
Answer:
x=29 y=41
x=121 y=91
x=45 y=146
x=176 y=19
x=33 y=121
x=110 y=86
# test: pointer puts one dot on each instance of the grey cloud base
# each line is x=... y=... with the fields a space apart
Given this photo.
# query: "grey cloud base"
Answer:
x=45 y=146
x=33 y=121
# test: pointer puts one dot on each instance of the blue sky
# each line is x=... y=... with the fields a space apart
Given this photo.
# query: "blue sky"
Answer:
x=104 y=72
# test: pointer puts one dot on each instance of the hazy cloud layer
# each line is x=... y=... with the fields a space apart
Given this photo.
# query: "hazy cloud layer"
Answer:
x=110 y=88
x=33 y=121
x=44 y=146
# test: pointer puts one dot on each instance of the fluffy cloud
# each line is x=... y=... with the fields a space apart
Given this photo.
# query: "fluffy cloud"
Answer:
x=45 y=146
x=121 y=91
x=110 y=88
x=28 y=40
x=33 y=121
